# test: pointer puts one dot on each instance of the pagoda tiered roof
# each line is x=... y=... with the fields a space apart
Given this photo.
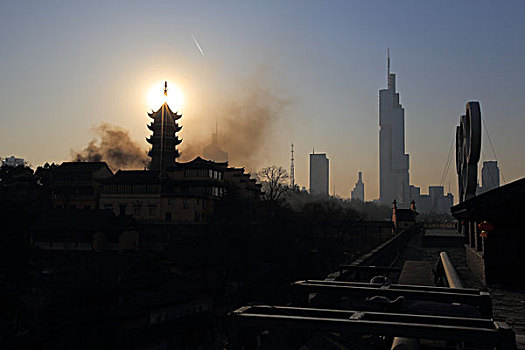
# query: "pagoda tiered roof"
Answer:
x=177 y=127
x=174 y=115
x=169 y=139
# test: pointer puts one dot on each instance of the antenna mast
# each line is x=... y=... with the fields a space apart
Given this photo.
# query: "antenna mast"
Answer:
x=388 y=61
x=292 y=171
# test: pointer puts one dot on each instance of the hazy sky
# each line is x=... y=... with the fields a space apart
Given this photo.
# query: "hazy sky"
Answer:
x=66 y=67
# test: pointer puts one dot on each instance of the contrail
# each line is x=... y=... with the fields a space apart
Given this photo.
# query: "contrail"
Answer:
x=198 y=46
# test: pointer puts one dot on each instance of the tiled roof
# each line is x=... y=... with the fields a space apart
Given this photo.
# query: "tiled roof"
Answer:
x=81 y=166
x=135 y=177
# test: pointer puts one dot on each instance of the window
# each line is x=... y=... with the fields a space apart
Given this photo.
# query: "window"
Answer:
x=152 y=208
x=185 y=203
x=136 y=208
x=198 y=173
x=122 y=209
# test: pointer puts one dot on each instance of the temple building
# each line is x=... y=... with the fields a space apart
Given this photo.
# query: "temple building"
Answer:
x=164 y=140
x=77 y=185
x=393 y=161
x=186 y=193
x=168 y=192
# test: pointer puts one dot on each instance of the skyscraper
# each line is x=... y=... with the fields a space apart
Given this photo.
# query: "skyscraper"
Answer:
x=359 y=190
x=393 y=162
x=489 y=175
x=213 y=152
x=319 y=174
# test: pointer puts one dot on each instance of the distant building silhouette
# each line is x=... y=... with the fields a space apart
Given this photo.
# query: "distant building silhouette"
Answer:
x=213 y=152
x=489 y=176
x=77 y=185
x=13 y=161
x=319 y=174
x=393 y=162
x=435 y=202
x=164 y=140
x=359 y=190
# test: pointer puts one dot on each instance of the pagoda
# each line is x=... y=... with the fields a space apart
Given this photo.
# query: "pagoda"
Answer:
x=164 y=140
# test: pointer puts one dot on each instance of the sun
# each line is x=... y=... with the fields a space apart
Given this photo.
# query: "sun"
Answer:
x=174 y=97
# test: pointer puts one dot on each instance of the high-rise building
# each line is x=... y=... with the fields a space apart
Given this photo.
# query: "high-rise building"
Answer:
x=489 y=175
x=393 y=162
x=164 y=140
x=359 y=190
x=435 y=202
x=213 y=152
x=319 y=174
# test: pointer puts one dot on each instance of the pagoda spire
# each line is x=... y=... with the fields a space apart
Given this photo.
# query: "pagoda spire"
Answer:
x=164 y=140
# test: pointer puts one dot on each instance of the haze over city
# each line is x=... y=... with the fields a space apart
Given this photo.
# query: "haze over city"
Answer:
x=301 y=72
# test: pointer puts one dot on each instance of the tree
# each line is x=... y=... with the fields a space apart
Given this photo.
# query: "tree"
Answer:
x=274 y=180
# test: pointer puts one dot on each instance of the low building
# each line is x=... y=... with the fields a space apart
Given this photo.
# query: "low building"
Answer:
x=13 y=161
x=493 y=230
x=77 y=185
x=403 y=218
x=184 y=193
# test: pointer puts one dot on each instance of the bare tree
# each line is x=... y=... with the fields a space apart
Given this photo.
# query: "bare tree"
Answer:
x=274 y=180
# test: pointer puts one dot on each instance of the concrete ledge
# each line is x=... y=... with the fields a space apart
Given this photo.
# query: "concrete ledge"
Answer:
x=384 y=254
x=476 y=263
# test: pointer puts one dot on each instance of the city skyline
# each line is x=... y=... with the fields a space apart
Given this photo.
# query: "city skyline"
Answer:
x=323 y=80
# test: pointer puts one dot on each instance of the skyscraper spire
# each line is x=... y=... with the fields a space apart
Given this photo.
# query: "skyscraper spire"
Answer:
x=388 y=62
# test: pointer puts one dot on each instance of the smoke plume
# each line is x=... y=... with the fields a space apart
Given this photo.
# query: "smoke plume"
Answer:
x=114 y=146
x=246 y=125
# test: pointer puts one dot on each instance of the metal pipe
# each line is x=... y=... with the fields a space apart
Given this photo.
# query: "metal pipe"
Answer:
x=451 y=274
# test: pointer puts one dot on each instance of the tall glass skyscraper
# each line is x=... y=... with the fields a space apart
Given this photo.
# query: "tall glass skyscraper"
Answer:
x=393 y=162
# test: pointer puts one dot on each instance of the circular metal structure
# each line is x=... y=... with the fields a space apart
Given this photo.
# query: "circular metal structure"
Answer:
x=468 y=149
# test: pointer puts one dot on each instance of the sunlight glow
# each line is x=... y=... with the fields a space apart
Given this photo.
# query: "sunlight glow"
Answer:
x=156 y=96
